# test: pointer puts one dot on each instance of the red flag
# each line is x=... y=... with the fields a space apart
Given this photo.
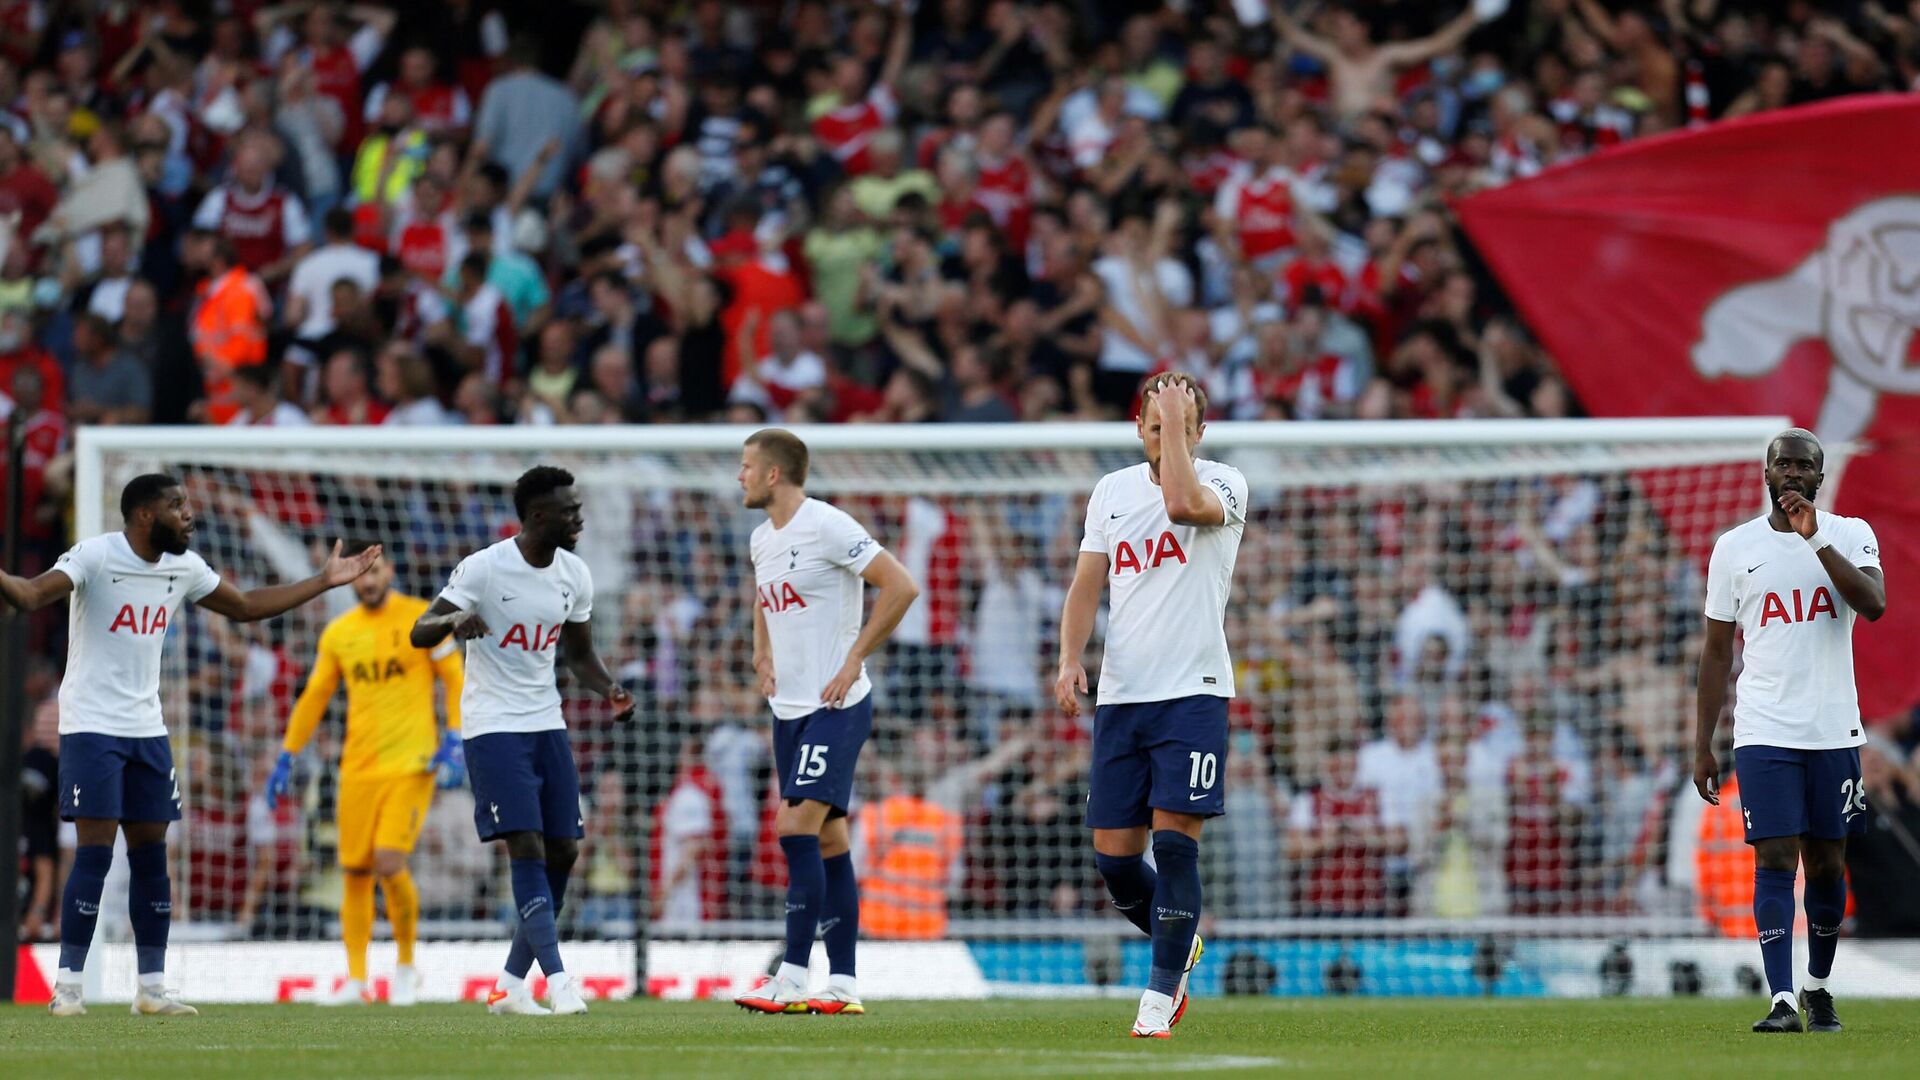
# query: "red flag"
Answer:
x=1767 y=265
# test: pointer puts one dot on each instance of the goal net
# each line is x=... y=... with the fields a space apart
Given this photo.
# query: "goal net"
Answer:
x=1458 y=762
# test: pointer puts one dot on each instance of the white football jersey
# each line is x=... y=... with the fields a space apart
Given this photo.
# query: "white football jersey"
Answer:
x=808 y=579
x=1166 y=632
x=1796 y=684
x=118 y=618
x=510 y=685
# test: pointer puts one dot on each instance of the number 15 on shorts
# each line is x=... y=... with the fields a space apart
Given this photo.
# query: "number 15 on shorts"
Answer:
x=1206 y=769
x=811 y=765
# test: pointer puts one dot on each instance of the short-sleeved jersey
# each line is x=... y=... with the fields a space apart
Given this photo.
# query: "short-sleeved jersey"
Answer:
x=391 y=725
x=810 y=591
x=1796 y=686
x=118 y=618
x=1166 y=634
x=510 y=683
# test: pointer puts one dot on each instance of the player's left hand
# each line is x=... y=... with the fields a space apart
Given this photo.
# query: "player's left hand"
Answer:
x=1706 y=777
x=449 y=763
x=834 y=695
x=341 y=570
x=1800 y=513
x=622 y=701
x=280 y=781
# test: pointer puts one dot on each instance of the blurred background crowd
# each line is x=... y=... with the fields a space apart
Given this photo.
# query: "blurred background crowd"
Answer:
x=1454 y=702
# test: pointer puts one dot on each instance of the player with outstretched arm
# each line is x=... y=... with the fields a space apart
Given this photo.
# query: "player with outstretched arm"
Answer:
x=810 y=563
x=116 y=763
x=1163 y=536
x=511 y=604
x=1792 y=579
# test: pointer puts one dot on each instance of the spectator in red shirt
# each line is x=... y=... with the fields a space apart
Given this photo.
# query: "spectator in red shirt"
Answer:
x=848 y=128
x=1337 y=839
x=439 y=107
x=23 y=187
x=346 y=382
x=19 y=350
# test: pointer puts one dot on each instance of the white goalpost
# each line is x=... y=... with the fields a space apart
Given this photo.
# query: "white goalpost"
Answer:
x=1465 y=655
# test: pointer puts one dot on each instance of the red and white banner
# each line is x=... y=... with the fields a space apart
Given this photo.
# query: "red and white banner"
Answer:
x=1762 y=266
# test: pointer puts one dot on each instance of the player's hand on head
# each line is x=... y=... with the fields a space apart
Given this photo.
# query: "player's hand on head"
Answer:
x=1175 y=402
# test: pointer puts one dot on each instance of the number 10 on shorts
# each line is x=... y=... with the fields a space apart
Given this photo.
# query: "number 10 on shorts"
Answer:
x=813 y=761
x=1206 y=769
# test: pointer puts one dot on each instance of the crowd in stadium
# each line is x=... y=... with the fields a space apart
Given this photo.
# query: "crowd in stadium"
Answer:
x=478 y=213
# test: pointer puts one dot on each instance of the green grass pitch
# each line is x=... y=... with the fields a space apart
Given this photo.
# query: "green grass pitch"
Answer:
x=1403 y=1040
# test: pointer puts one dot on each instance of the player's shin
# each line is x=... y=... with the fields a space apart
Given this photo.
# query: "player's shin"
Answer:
x=534 y=900
x=403 y=913
x=1131 y=883
x=841 y=916
x=1176 y=908
x=806 y=884
x=1826 y=901
x=356 y=921
x=150 y=908
x=80 y=906
x=1773 y=916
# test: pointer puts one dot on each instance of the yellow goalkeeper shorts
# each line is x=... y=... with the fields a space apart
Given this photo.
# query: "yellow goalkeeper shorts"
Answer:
x=381 y=812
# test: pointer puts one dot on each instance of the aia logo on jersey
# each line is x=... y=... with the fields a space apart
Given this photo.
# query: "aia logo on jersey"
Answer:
x=142 y=620
x=365 y=672
x=1774 y=607
x=534 y=639
x=783 y=597
x=1151 y=554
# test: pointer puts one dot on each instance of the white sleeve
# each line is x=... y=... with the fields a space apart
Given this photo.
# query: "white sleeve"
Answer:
x=1720 y=605
x=465 y=583
x=582 y=609
x=1862 y=547
x=75 y=563
x=1177 y=284
x=881 y=98
x=376 y=98
x=493 y=33
x=1094 y=538
x=261 y=828
x=204 y=579
x=280 y=41
x=1226 y=201
x=211 y=210
x=1230 y=488
x=846 y=542
x=462 y=108
x=295 y=229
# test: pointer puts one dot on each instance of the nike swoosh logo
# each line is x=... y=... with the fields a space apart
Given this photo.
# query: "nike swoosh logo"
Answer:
x=1754 y=567
x=506 y=599
x=117 y=578
x=1110 y=517
x=1197 y=798
x=804 y=783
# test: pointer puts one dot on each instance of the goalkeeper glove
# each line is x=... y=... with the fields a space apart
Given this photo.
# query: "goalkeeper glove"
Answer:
x=450 y=761
x=281 y=779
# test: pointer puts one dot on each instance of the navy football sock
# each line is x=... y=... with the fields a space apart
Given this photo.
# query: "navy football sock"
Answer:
x=1773 y=914
x=80 y=904
x=520 y=953
x=806 y=885
x=1131 y=883
x=150 y=906
x=1176 y=907
x=534 y=899
x=1826 y=906
x=840 y=914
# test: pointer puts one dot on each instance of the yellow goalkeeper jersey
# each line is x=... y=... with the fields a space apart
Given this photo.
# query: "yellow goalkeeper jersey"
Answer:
x=390 y=714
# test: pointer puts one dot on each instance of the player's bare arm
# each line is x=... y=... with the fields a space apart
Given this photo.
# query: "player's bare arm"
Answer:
x=897 y=592
x=1173 y=408
x=762 y=650
x=443 y=619
x=265 y=603
x=585 y=663
x=1076 y=626
x=1716 y=664
x=1863 y=587
x=24 y=594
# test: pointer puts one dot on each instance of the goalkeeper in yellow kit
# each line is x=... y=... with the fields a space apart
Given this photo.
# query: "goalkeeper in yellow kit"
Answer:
x=388 y=767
